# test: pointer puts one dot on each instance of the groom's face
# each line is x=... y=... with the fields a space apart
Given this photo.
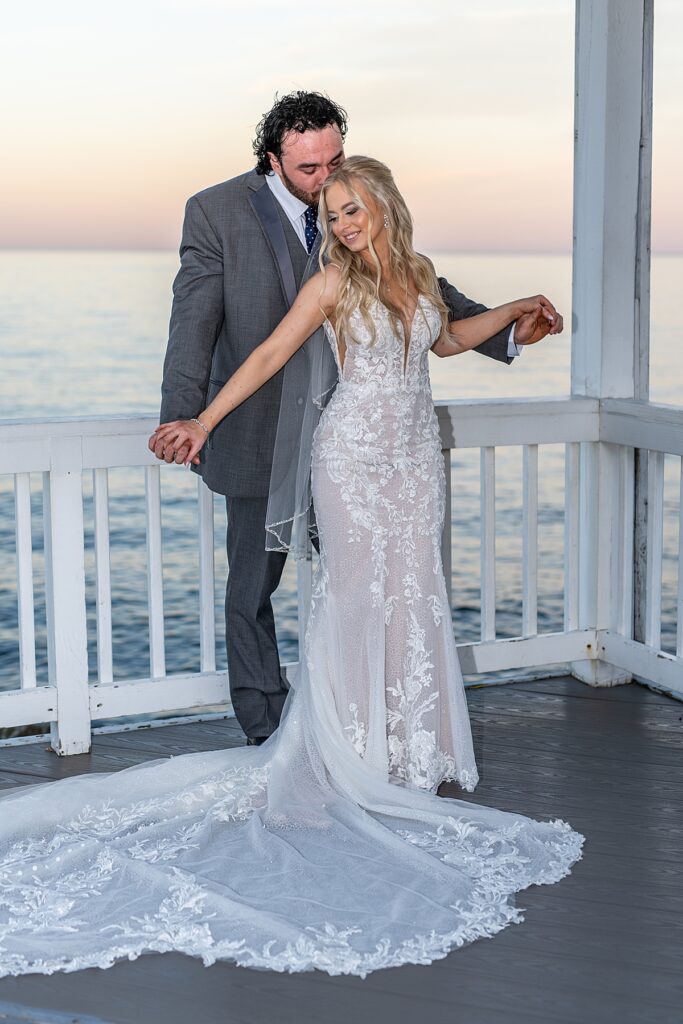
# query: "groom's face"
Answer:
x=306 y=161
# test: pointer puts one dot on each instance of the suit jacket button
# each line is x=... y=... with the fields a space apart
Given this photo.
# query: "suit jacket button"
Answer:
x=299 y=400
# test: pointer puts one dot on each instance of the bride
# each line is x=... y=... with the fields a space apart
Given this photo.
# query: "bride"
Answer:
x=325 y=847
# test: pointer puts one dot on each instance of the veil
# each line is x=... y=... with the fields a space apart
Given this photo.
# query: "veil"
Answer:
x=310 y=377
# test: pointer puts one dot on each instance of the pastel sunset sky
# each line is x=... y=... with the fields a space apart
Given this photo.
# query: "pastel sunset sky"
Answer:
x=115 y=113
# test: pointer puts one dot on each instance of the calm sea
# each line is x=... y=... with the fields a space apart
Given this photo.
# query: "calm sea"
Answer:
x=84 y=333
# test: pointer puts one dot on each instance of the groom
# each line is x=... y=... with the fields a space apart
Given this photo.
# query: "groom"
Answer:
x=248 y=245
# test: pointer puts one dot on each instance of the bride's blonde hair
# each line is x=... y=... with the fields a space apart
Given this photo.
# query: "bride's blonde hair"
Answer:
x=358 y=285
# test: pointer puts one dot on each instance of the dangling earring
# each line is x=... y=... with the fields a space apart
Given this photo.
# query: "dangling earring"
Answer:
x=386 y=221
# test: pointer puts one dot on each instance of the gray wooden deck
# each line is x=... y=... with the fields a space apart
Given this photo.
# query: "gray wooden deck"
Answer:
x=604 y=945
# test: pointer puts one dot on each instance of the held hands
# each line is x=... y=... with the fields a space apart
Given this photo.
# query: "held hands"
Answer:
x=179 y=441
x=536 y=318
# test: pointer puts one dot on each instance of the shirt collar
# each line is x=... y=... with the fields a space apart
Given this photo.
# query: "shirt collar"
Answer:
x=292 y=206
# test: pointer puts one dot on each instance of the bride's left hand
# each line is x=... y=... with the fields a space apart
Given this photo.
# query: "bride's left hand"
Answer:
x=179 y=441
x=539 y=319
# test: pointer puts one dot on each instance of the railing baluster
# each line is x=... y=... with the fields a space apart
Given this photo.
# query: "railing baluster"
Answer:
x=24 y=550
x=488 y=542
x=207 y=601
x=446 y=540
x=655 y=530
x=598 y=583
x=530 y=541
x=679 y=597
x=627 y=501
x=105 y=666
x=304 y=579
x=155 y=589
x=572 y=453
x=65 y=597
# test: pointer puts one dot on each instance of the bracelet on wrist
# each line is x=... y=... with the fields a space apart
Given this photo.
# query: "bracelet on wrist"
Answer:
x=202 y=425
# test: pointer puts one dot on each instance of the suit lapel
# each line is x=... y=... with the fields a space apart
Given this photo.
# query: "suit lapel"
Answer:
x=263 y=204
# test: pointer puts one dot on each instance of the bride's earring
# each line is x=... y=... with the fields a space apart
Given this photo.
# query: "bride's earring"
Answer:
x=386 y=221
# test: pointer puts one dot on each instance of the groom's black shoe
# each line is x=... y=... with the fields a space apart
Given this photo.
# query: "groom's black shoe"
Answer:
x=256 y=741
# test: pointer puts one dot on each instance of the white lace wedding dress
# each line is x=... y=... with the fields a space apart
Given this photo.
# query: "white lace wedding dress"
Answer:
x=326 y=847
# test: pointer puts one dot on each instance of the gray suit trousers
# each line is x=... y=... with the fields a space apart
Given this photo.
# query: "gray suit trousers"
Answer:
x=257 y=685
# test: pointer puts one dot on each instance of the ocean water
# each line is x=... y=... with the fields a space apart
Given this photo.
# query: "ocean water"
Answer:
x=84 y=333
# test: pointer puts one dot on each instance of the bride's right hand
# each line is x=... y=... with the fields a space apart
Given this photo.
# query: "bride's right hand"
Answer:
x=179 y=441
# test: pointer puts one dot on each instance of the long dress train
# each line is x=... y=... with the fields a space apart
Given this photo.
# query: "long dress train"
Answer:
x=327 y=846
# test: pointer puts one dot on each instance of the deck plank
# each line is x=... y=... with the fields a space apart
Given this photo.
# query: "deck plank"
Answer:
x=602 y=945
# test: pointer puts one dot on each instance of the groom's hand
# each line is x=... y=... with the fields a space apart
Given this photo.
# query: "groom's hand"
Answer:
x=166 y=453
x=542 y=320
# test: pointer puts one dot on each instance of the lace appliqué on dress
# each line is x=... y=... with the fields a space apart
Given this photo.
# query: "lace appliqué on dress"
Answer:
x=289 y=855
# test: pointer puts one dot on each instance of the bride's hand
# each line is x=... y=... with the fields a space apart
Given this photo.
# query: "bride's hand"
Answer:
x=536 y=318
x=179 y=441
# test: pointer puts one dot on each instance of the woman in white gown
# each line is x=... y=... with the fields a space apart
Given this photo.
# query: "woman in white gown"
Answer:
x=326 y=847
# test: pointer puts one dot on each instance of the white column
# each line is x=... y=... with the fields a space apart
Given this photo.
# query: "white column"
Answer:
x=611 y=266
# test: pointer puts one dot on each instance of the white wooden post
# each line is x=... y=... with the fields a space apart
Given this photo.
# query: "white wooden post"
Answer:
x=626 y=530
x=655 y=531
x=571 y=535
x=530 y=541
x=24 y=548
x=105 y=662
x=207 y=580
x=612 y=158
x=155 y=584
x=446 y=536
x=65 y=596
x=487 y=503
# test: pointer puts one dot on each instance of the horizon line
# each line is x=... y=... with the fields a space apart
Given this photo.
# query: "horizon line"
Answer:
x=169 y=250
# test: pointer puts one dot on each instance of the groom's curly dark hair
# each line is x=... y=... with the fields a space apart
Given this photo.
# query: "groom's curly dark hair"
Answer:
x=299 y=112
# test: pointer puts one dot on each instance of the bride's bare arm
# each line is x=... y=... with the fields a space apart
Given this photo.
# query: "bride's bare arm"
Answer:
x=314 y=302
x=468 y=333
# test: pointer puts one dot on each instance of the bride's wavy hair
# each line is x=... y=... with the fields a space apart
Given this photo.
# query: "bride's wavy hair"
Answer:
x=359 y=285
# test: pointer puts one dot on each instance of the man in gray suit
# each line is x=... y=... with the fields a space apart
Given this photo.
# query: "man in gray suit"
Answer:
x=248 y=245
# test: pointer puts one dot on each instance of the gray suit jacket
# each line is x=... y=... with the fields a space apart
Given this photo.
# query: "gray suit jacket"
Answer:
x=240 y=267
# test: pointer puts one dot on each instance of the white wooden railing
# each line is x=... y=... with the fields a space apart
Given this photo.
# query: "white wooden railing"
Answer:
x=597 y=642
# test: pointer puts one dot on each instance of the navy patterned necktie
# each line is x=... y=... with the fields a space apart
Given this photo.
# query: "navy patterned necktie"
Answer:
x=311 y=226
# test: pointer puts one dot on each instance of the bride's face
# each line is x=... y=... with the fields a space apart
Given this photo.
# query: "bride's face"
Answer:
x=348 y=221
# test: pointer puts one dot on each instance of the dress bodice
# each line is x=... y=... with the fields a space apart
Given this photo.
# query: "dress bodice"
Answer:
x=382 y=407
x=388 y=361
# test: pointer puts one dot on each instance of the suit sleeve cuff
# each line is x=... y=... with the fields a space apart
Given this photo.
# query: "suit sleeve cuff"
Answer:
x=513 y=348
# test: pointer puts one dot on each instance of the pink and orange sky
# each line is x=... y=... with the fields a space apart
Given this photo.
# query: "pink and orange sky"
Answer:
x=115 y=113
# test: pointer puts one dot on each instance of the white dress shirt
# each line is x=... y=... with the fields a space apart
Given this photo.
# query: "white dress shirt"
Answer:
x=295 y=210
x=293 y=207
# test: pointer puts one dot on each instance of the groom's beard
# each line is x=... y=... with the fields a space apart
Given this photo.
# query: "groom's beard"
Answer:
x=309 y=198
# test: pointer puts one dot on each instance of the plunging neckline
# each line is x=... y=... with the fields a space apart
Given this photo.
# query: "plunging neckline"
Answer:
x=406 y=341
